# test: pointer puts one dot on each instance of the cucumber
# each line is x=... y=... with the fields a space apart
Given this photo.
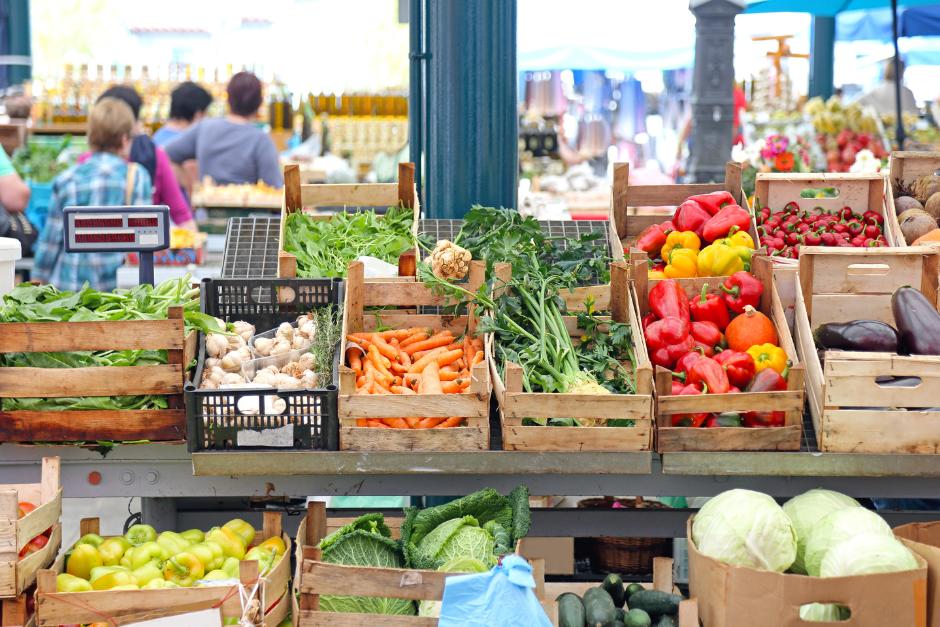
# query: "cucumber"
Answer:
x=632 y=588
x=570 y=610
x=598 y=607
x=655 y=602
x=613 y=584
x=637 y=618
x=667 y=620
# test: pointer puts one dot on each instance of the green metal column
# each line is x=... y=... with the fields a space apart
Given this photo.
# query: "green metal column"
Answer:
x=822 y=56
x=471 y=144
x=19 y=40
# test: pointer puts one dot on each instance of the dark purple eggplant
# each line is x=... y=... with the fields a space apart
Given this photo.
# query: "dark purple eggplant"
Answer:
x=918 y=322
x=858 y=335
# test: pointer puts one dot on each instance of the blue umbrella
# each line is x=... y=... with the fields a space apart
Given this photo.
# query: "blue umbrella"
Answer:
x=875 y=25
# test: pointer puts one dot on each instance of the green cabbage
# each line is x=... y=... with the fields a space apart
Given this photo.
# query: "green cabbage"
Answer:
x=806 y=510
x=837 y=527
x=824 y=612
x=745 y=528
x=457 y=565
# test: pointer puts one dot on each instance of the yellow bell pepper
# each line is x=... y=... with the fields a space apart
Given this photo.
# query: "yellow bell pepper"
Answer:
x=107 y=577
x=656 y=274
x=242 y=529
x=719 y=260
x=230 y=542
x=275 y=542
x=183 y=569
x=83 y=558
x=737 y=237
x=682 y=264
x=768 y=356
x=680 y=239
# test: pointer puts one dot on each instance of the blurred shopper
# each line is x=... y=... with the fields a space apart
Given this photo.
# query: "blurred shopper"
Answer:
x=14 y=196
x=232 y=149
x=188 y=104
x=882 y=97
x=106 y=178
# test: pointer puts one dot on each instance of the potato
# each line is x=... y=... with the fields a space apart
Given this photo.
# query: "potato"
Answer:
x=917 y=225
x=903 y=203
x=933 y=206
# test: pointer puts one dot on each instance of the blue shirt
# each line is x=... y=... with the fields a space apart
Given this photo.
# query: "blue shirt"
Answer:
x=99 y=181
x=165 y=135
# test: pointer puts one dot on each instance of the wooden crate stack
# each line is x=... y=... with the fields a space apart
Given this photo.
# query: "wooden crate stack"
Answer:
x=398 y=300
x=852 y=412
x=515 y=405
x=308 y=198
x=785 y=438
x=16 y=574
x=79 y=425
x=131 y=606
x=907 y=167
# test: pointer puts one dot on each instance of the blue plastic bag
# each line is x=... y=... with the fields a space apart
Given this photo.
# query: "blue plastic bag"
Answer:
x=502 y=597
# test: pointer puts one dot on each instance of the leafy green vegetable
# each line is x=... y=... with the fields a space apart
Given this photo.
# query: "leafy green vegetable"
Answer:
x=367 y=541
x=324 y=248
x=604 y=349
x=40 y=162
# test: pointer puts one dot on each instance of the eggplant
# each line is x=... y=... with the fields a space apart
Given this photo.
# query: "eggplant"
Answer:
x=858 y=335
x=918 y=322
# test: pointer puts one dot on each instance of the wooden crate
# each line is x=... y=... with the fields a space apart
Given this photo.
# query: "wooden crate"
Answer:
x=398 y=300
x=19 y=611
x=906 y=167
x=307 y=198
x=860 y=192
x=851 y=412
x=786 y=438
x=124 y=607
x=635 y=207
x=78 y=425
x=313 y=578
x=516 y=405
x=16 y=574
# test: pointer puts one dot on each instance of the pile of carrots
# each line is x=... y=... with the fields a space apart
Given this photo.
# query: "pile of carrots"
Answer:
x=412 y=361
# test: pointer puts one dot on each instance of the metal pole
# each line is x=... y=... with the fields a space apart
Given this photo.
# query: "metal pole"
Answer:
x=20 y=40
x=897 y=75
x=822 y=56
x=416 y=87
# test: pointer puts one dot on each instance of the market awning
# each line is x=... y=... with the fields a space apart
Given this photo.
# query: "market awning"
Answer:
x=828 y=8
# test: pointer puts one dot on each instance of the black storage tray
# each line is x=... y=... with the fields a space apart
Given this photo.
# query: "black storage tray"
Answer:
x=216 y=418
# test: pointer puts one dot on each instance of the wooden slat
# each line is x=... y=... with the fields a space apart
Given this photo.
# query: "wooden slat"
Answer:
x=331 y=579
x=669 y=439
x=92 y=381
x=544 y=405
x=293 y=200
x=35 y=337
x=27 y=567
x=400 y=294
x=743 y=401
x=426 y=405
x=451 y=439
x=406 y=185
x=314 y=618
x=667 y=195
x=37 y=521
x=350 y=195
x=577 y=439
x=880 y=431
x=68 y=426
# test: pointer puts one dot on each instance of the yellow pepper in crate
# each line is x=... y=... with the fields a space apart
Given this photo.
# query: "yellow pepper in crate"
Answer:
x=768 y=356
x=656 y=274
x=682 y=264
x=720 y=260
x=737 y=237
x=678 y=240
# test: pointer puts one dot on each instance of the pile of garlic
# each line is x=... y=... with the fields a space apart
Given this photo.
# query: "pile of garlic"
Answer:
x=227 y=354
x=287 y=338
x=296 y=375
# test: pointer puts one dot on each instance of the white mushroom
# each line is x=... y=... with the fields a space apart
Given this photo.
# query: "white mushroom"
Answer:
x=216 y=344
x=263 y=345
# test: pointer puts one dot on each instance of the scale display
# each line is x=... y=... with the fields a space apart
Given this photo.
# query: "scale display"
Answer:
x=117 y=229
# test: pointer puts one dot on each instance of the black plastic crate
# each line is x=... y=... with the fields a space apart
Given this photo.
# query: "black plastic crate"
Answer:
x=263 y=418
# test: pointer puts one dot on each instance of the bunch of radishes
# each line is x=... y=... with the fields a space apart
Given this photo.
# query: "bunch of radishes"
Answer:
x=783 y=232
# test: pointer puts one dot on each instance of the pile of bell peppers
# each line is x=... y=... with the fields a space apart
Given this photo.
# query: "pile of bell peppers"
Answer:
x=144 y=559
x=686 y=336
x=707 y=236
x=783 y=232
x=40 y=541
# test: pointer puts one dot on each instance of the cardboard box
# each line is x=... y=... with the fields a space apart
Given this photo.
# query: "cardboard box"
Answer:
x=734 y=596
x=558 y=553
x=924 y=539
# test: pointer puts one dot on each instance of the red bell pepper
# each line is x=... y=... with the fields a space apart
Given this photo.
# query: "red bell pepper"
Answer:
x=714 y=201
x=694 y=419
x=648 y=319
x=765 y=381
x=668 y=340
x=727 y=419
x=667 y=298
x=667 y=356
x=710 y=308
x=710 y=374
x=706 y=349
x=690 y=216
x=677 y=387
x=651 y=240
x=685 y=363
x=707 y=333
x=720 y=224
x=739 y=366
x=740 y=290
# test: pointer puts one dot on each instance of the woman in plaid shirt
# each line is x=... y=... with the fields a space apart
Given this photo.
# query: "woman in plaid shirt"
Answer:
x=102 y=180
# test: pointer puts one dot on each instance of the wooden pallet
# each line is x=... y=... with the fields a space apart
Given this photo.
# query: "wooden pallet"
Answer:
x=860 y=192
x=307 y=198
x=398 y=300
x=516 y=405
x=851 y=412
x=69 y=426
x=907 y=167
x=16 y=574
x=125 y=607
x=786 y=438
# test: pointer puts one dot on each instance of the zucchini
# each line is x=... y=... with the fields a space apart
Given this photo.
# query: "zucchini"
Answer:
x=613 y=584
x=633 y=587
x=667 y=620
x=637 y=618
x=570 y=610
x=598 y=607
x=655 y=602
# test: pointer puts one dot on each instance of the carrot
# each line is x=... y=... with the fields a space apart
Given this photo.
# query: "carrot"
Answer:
x=359 y=338
x=379 y=388
x=399 y=334
x=368 y=378
x=396 y=423
x=445 y=359
x=362 y=422
x=405 y=359
x=477 y=344
x=453 y=421
x=451 y=387
x=455 y=345
x=377 y=374
x=428 y=423
x=460 y=363
x=412 y=380
x=464 y=383
x=372 y=422
x=412 y=422
x=398 y=368
x=467 y=344
x=441 y=339
x=401 y=389
x=477 y=359
x=376 y=358
x=353 y=359
x=449 y=375
x=386 y=349
x=419 y=365
x=430 y=380
x=418 y=336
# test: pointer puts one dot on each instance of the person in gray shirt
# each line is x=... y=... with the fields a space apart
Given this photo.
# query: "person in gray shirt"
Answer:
x=232 y=149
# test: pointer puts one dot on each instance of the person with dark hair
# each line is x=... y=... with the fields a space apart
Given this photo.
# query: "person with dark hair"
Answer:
x=188 y=104
x=232 y=150
x=166 y=189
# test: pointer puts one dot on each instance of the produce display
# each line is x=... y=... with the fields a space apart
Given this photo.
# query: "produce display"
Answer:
x=40 y=163
x=324 y=247
x=612 y=603
x=783 y=232
x=38 y=542
x=209 y=194
x=844 y=132
x=413 y=361
x=707 y=236
x=820 y=533
x=918 y=207
x=144 y=559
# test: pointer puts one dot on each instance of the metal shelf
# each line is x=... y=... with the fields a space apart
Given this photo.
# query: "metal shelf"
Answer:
x=251 y=248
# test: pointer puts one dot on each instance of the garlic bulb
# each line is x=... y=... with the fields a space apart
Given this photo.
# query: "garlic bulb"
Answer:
x=264 y=377
x=209 y=384
x=245 y=353
x=216 y=344
x=281 y=347
x=213 y=362
x=232 y=361
x=263 y=345
x=232 y=378
x=235 y=342
x=215 y=375
x=285 y=381
x=307 y=361
x=244 y=329
x=308 y=379
x=285 y=331
x=299 y=342
x=308 y=329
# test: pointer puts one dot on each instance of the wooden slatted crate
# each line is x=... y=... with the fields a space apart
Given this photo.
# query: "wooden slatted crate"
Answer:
x=80 y=425
x=907 y=167
x=124 y=607
x=16 y=574
x=19 y=611
x=308 y=198
x=398 y=300
x=852 y=412
x=785 y=438
x=516 y=405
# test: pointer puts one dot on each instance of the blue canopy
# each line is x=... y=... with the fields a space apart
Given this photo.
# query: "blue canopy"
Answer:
x=826 y=7
x=875 y=25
